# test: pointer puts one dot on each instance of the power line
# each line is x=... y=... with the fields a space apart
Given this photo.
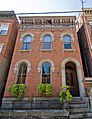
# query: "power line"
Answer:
x=49 y=12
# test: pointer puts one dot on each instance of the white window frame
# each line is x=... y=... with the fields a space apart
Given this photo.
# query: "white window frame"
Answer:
x=44 y=42
x=4 y=27
x=1 y=47
x=68 y=42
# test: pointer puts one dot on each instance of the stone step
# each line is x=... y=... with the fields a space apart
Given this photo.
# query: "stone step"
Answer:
x=71 y=106
x=87 y=118
x=83 y=116
x=75 y=116
x=78 y=102
x=79 y=110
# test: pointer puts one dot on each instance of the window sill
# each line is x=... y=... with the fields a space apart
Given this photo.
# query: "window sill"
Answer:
x=68 y=50
x=3 y=34
x=46 y=50
x=24 y=50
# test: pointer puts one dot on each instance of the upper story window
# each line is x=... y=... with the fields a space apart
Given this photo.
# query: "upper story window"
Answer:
x=3 y=29
x=46 y=72
x=27 y=42
x=47 y=42
x=90 y=24
x=67 y=42
x=21 y=77
x=1 y=47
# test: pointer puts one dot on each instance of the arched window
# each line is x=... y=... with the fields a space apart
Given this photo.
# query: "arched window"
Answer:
x=47 y=42
x=67 y=42
x=27 y=42
x=46 y=72
x=21 y=77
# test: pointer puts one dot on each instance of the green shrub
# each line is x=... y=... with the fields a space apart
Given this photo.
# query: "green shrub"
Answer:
x=44 y=89
x=41 y=88
x=17 y=90
x=65 y=94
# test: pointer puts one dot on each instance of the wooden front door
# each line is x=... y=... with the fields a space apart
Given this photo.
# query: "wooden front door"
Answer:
x=71 y=78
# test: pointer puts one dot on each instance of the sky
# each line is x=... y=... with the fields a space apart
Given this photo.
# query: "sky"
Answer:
x=29 y=6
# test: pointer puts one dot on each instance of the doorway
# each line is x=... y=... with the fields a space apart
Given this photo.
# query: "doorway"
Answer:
x=71 y=78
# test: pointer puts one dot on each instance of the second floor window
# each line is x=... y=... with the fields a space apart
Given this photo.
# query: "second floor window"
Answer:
x=67 y=42
x=3 y=29
x=47 y=43
x=27 y=42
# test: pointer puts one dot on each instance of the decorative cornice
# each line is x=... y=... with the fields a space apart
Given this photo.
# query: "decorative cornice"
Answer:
x=7 y=14
x=47 y=22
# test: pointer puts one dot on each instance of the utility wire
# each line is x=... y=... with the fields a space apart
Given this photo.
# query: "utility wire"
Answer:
x=50 y=12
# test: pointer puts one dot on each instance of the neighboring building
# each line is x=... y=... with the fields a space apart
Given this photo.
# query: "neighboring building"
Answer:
x=8 y=33
x=47 y=51
x=85 y=42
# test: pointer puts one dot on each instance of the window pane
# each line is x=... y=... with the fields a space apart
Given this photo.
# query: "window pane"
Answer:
x=22 y=73
x=28 y=46
x=24 y=46
x=46 y=79
x=27 y=42
x=47 y=38
x=47 y=46
x=67 y=46
x=67 y=38
x=27 y=38
x=3 y=29
x=1 y=46
x=3 y=32
x=46 y=68
x=46 y=73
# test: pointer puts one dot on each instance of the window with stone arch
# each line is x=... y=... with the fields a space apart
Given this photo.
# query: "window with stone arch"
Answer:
x=22 y=72
x=21 y=69
x=47 y=42
x=67 y=39
x=27 y=39
x=46 y=72
x=46 y=67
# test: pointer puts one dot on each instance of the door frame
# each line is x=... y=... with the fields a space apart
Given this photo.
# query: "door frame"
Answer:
x=78 y=71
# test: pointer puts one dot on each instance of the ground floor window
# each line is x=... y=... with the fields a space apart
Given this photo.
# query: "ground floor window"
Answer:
x=46 y=72
x=21 y=77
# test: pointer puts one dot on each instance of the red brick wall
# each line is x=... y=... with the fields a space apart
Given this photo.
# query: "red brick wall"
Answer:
x=34 y=57
x=7 y=51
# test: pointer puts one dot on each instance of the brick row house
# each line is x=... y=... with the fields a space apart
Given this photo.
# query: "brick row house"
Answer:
x=85 y=42
x=8 y=33
x=47 y=51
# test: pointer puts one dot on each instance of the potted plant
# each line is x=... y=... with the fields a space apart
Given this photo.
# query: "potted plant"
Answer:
x=44 y=89
x=17 y=90
x=65 y=95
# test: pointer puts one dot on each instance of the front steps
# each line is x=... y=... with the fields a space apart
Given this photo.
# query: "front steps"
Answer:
x=79 y=108
x=47 y=108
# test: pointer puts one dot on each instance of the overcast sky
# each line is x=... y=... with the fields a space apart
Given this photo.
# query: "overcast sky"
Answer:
x=22 y=6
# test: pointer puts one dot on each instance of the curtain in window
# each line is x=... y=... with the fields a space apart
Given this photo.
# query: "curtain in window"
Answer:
x=46 y=72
